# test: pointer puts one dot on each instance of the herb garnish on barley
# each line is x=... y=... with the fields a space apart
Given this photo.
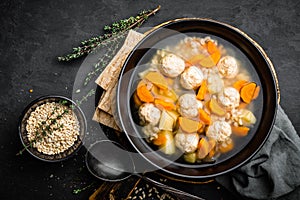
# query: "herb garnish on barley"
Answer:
x=52 y=128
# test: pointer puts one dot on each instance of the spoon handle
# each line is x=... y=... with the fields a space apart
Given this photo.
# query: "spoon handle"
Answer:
x=178 y=193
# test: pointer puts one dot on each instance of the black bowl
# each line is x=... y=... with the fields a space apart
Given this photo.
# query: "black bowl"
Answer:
x=65 y=154
x=260 y=66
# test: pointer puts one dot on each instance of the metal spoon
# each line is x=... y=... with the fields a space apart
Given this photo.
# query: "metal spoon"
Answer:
x=108 y=161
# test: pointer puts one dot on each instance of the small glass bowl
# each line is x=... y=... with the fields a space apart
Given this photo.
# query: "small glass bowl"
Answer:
x=68 y=152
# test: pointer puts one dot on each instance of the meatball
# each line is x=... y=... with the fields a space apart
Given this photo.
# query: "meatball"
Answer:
x=229 y=98
x=171 y=65
x=150 y=131
x=187 y=142
x=188 y=105
x=191 y=78
x=228 y=67
x=149 y=113
x=219 y=130
x=215 y=83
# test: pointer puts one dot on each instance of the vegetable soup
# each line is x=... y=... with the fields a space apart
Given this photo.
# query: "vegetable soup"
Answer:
x=197 y=96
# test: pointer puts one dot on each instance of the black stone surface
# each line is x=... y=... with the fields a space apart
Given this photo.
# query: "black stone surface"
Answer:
x=34 y=33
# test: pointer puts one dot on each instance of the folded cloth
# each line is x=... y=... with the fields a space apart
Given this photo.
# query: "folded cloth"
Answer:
x=275 y=170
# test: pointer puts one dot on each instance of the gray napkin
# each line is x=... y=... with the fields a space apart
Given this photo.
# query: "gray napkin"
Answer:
x=275 y=170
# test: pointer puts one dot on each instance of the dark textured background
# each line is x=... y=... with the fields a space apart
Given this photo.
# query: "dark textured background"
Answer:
x=34 y=33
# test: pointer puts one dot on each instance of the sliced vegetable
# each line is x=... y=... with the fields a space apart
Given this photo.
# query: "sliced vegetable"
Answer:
x=256 y=92
x=169 y=146
x=174 y=114
x=203 y=148
x=144 y=94
x=204 y=117
x=167 y=95
x=190 y=157
x=214 y=51
x=169 y=80
x=164 y=104
x=170 y=94
x=155 y=91
x=188 y=125
x=215 y=57
x=142 y=83
x=202 y=91
x=201 y=130
x=211 y=47
x=211 y=153
x=212 y=143
x=157 y=79
x=240 y=130
x=196 y=59
x=242 y=105
x=166 y=122
x=160 y=140
x=207 y=62
x=225 y=146
x=206 y=149
x=188 y=64
x=216 y=108
x=247 y=92
x=239 y=84
x=247 y=117
x=137 y=101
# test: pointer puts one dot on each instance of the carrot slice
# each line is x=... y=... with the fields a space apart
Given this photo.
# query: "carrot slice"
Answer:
x=242 y=105
x=188 y=64
x=240 y=130
x=256 y=92
x=203 y=148
x=239 y=84
x=136 y=100
x=204 y=116
x=211 y=153
x=160 y=140
x=225 y=147
x=216 y=57
x=247 y=92
x=211 y=47
x=214 y=51
x=144 y=94
x=164 y=104
x=202 y=91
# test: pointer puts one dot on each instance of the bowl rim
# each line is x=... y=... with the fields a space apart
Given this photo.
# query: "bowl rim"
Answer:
x=44 y=97
x=244 y=36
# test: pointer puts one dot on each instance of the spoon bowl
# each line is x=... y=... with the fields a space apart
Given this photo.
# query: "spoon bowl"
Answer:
x=106 y=161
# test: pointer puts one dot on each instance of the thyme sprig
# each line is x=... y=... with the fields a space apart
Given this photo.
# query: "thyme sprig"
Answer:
x=45 y=129
x=116 y=28
x=78 y=190
x=85 y=98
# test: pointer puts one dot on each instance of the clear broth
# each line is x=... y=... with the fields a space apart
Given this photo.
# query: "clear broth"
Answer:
x=245 y=66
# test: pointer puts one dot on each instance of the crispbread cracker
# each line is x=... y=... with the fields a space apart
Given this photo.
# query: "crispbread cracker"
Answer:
x=105 y=119
x=106 y=101
x=108 y=80
x=111 y=73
